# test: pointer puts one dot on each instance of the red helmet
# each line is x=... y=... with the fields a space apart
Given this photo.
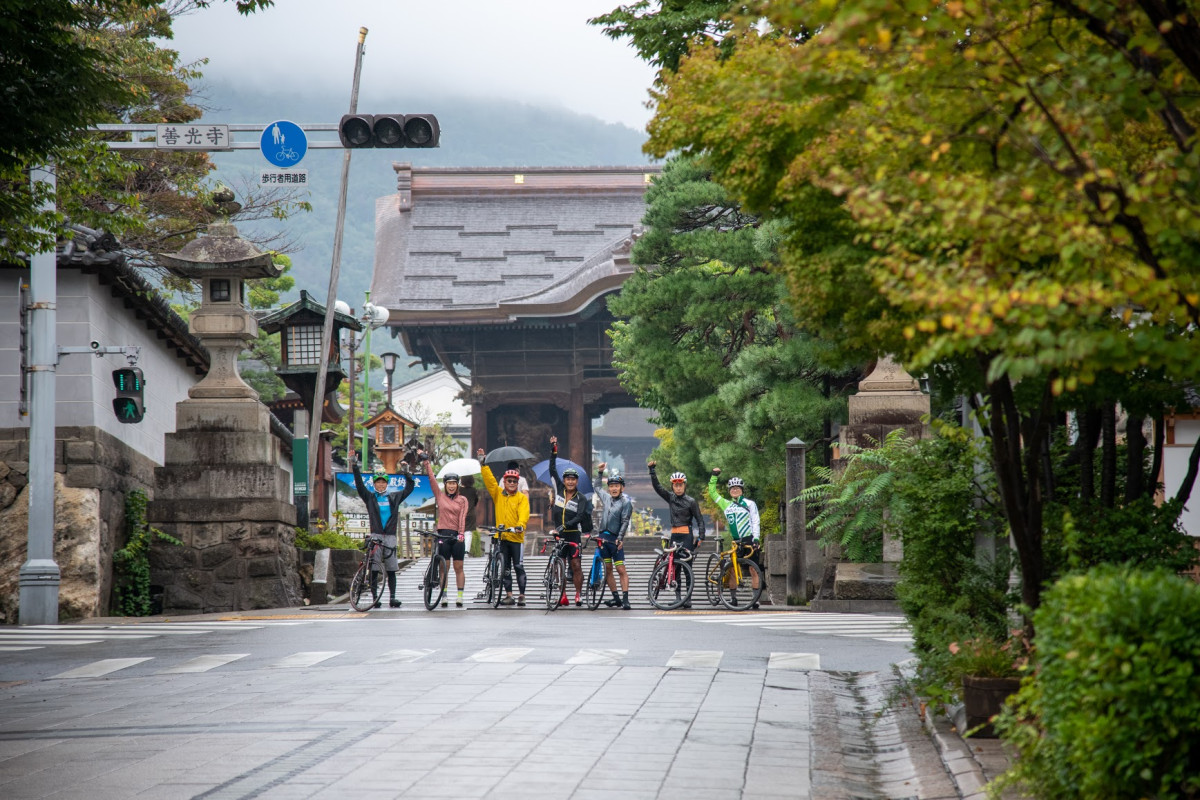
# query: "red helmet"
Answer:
x=512 y=473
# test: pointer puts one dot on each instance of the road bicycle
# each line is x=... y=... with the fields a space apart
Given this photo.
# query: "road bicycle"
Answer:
x=671 y=579
x=555 y=577
x=366 y=587
x=433 y=585
x=498 y=567
x=595 y=576
x=287 y=154
x=734 y=578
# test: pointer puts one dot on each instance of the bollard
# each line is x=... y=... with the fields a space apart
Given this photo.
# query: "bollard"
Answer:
x=797 y=589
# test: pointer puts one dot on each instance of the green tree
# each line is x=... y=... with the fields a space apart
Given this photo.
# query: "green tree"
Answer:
x=1021 y=176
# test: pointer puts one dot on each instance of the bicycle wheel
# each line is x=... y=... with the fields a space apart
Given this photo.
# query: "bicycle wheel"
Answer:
x=712 y=579
x=489 y=583
x=498 y=575
x=595 y=586
x=365 y=588
x=556 y=582
x=741 y=594
x=433 y=581
x=658 y=592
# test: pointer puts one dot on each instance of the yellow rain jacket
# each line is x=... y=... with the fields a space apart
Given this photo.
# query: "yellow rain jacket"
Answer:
x=512 y=510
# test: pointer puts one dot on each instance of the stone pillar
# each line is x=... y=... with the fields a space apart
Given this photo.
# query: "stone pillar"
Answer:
x=577 y=425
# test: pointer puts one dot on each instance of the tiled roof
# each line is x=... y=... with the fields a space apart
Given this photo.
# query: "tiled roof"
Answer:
x=491 y=244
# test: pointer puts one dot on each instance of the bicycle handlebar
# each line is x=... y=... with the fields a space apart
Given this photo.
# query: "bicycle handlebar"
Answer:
x=439 y=534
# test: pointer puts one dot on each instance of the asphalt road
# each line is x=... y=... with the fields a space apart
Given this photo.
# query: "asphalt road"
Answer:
x=462 y=703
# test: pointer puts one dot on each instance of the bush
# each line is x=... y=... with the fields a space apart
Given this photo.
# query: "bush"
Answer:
x=131 y=564
x=323 y=539
x=1112 y=709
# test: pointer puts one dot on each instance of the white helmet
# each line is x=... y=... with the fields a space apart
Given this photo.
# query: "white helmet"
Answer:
x=736 y=482
x=678 y=476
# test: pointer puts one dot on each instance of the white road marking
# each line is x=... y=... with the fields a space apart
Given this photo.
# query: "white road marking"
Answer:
x=696 y=658
x=500 y=655
x=98 y=668
x=16 y=649
x=399 y=657
x=794 y=661
x=592 y=656
x=204 y=663
x=306 y=659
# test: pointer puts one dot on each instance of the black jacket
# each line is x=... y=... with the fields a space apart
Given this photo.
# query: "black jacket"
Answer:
x=395 y=500
x=684 y=508
x=571 y=520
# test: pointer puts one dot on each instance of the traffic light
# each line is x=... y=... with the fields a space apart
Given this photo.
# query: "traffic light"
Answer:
x=129 y=402
x=389 y=130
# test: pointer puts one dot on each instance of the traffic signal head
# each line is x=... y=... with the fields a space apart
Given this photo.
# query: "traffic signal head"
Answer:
x=389 y=130
x=129 y=403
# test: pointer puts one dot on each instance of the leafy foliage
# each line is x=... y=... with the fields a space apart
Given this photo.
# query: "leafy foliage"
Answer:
x=131 y=563
x=323 y=539
x=1113 y=709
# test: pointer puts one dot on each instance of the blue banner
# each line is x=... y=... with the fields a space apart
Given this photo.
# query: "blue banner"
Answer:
x=347 y=499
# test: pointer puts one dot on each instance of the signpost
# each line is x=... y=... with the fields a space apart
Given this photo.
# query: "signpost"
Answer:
x=283 y=143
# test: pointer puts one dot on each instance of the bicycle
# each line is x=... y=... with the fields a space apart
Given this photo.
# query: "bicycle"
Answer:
x=555 y=577
x=736 y=580
x=433 y=585
x=595 y=579
x=497 y=568
x=671 y=579
x=366 y=587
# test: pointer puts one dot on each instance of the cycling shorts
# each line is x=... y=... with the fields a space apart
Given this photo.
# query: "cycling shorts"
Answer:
x=609 y=550
x=571 y=536
x=451 y=549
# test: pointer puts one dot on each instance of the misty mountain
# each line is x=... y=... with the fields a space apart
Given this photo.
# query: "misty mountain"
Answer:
x=474 y=132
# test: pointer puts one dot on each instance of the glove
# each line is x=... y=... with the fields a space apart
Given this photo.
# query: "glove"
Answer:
x=424 y=457
x=460 y=537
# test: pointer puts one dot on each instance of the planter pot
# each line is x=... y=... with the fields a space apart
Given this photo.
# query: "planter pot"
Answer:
x=983 y=699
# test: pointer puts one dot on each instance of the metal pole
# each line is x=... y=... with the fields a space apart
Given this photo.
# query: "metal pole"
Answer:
x=335 y=268
x=351 y=444
x=39 y=576
x=797 y=585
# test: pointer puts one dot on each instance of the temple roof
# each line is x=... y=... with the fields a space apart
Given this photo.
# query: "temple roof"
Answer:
x=489 y=245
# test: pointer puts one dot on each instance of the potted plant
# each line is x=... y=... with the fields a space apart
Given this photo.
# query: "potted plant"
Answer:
x=990 y=671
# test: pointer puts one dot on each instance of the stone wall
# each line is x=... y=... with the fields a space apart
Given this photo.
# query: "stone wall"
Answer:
x=94 y=471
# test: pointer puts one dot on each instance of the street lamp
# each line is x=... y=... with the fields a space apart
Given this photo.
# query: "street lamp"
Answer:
x=389 y=366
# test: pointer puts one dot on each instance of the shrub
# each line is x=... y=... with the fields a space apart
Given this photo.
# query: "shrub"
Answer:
x=1112 y=708
x=131 y=564
x=326 y=538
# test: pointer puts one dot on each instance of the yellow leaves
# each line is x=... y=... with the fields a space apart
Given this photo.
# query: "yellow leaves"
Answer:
x=885 y=38
x=927 y=139
x=955 y=9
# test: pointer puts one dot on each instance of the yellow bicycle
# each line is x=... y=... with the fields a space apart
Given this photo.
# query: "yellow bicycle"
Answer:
x=731 y=579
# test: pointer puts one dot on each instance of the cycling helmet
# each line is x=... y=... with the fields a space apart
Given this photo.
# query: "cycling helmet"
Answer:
x=570 y=472
x=736 y=482
x=450 y=476
x=615 y=479
x=512 y=473
x=380 y=476
x=678 y=477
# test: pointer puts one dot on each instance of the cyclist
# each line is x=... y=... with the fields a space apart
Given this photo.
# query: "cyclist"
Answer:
x=572 y=516
x=452 y=519
x=615 y=514
x=685 y=513
x=512 y=511
x=741 y=514
x=382 y=507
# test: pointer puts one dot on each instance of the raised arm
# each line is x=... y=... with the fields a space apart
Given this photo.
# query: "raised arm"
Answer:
x=713 y=493
x=358 y=483
x=438 y=496
x=658 y=489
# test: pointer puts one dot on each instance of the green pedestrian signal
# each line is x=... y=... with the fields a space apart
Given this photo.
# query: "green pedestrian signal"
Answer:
x=129 y=403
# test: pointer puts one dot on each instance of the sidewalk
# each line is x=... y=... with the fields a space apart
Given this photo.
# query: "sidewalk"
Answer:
x=971 y=763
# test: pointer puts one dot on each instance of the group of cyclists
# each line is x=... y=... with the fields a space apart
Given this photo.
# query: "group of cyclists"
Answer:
x=572 y=514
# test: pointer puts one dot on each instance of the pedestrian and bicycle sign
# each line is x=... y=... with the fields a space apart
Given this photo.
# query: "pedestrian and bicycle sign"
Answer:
x=283 y=143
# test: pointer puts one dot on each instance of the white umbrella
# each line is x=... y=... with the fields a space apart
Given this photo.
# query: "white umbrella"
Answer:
x=460 y=467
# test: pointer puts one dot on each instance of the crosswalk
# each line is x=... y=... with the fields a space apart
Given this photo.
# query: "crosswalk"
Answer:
x=880 y=627
x=679 y=659
x=35 y=637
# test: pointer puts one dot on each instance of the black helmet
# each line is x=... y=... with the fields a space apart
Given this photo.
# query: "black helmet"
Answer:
x=570 y=472
x=615 y=479
x=450 y=476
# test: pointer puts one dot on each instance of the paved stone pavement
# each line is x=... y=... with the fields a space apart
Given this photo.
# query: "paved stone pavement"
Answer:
x=464 y=728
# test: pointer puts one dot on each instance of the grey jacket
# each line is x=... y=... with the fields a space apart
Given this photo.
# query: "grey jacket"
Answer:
x=614 y=514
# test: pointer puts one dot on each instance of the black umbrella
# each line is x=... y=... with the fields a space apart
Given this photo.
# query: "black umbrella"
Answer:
x=502 y=455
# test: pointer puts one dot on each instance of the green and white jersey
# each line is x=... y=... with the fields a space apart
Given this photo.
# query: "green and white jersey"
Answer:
x=741 y=515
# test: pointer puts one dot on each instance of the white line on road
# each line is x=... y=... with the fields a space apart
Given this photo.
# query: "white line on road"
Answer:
x=500 y=655
x=306 y=659
x=15 y=649
x=398 y=657
x=99 y=668
x=593 y=656
x=794 y=661
x=48 y=641
x=696 y=658
x=204 y=663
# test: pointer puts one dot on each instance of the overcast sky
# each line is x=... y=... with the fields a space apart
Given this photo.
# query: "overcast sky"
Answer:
x=535 y=51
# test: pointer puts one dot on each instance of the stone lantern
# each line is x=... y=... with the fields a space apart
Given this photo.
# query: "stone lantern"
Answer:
x=223 y=489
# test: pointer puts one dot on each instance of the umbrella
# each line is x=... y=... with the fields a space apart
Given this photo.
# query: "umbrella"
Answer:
x=541 y=471
x=502 y=455
x=460 y=467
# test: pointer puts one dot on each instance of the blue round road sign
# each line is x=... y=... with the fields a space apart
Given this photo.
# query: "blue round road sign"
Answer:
x=283 y=143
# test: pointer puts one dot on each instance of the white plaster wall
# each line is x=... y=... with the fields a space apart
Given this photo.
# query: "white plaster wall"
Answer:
x=84 y=389
x=1175 y=463
x=438 y=393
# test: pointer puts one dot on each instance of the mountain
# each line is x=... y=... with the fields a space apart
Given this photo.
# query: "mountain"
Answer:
x=474 y=132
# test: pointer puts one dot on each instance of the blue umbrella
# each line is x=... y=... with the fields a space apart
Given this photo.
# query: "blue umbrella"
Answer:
x=541 y=471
